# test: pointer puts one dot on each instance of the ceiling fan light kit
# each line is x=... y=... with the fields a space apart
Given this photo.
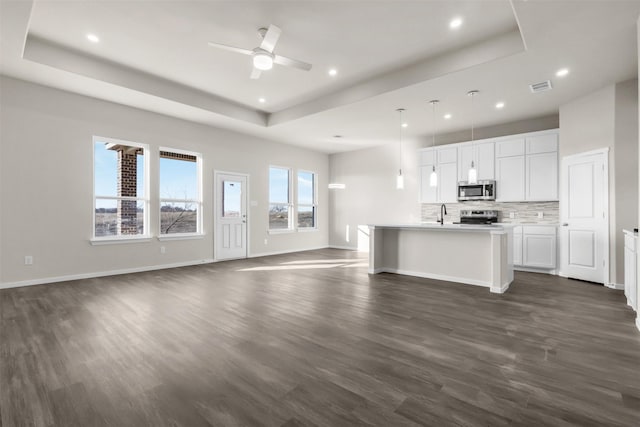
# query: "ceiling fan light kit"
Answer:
x=263 y=56
x=263 y=61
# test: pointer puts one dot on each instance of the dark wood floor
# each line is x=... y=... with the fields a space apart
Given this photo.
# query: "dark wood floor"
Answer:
x=311 y=339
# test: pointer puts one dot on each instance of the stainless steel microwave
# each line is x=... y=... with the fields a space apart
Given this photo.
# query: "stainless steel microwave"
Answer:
x=482 y=190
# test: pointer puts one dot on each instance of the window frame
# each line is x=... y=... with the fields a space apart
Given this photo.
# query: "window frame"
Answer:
x=119 y=238
x=199 y=202
x=290 y=206
x=314 y=202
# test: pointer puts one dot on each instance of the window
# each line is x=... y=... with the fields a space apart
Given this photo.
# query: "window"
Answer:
x=121 y=204
x=306 y=199
x=180 y=194
x=280 y=217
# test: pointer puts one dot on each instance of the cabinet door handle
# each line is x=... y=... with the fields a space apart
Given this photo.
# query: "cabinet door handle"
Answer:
x=566 y=224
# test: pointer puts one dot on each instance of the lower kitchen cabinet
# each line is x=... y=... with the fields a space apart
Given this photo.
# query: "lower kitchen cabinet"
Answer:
x=517 y=246
x=630 y=269
x=534 y=246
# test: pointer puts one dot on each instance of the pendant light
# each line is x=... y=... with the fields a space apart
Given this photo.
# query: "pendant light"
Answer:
x=400 y=178
x=473 y=173
x=433 y=178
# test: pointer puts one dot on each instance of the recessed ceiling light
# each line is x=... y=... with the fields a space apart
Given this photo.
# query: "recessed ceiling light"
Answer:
x=562 y=72
x=404 y=125
x=455 y=23
x=500 y=105
x=333 y=72
x=447 y=116
x=262 y=100
x=93 y=38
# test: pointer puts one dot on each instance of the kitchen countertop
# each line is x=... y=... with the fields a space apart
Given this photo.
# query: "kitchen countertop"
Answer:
x=447 y=226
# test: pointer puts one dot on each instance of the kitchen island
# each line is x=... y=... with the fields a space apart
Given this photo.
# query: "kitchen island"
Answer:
x=472 y=254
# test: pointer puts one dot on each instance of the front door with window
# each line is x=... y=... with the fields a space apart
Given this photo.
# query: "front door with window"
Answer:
x=231 y=216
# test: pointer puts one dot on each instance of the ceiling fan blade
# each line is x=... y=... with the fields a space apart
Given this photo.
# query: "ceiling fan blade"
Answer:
x=271 y=38
x=288 y=62
x=231 y=48
x=255 y=74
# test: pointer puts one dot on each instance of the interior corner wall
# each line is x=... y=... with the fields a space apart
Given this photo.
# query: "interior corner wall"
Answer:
x=588 y=123
x=371 y=195
x=626 y=161
x=46 y=182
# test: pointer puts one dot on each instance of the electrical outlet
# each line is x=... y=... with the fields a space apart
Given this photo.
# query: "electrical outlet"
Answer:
x=163 y=250
x=540 y=214
x=28 y=260
x=265 y=241
x=512 y=215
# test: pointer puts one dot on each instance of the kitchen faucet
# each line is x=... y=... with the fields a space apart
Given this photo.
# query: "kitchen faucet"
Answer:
x=443 y=212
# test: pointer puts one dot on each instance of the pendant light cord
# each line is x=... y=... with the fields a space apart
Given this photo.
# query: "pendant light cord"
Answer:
x=400 y=110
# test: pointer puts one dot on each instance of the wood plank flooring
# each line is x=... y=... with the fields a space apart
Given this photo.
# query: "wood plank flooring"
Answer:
x=310 y=339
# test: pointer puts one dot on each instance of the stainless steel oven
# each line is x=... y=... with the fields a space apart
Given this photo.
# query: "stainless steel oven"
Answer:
x=482 y=190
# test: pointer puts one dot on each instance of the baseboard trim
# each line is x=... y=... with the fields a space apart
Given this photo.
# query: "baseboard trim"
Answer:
x=536 y=270
x=262 y=254
x=46 y=280
x=501 y=290
x=433 y=276
x=616 y=286
x=346 y=248
x=638 y=322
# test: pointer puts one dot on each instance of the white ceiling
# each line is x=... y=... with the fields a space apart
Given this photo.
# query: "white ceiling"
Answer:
x=389 y=54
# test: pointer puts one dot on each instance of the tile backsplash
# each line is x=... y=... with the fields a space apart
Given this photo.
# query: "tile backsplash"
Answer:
x=524 y=212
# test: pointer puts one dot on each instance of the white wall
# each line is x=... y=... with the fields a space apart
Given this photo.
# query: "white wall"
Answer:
x=369 y=174
x=638 y=175
x=588 y=123
x=626 y=155
x=46 y=181
x=607 y=118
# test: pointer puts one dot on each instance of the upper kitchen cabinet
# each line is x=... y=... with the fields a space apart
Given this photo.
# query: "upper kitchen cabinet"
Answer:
x=445 y=161
x=527 y=168
x=510 y=173
x=542 y=167
x=483 y=156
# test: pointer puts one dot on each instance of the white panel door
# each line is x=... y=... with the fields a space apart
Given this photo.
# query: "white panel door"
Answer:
x=448 y=183
x=584 y=236
x=542 y=177
x=231 y=216
x=510 y=179
x=428 y=194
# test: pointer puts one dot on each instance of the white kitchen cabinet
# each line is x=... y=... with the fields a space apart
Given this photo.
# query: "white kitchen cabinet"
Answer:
x=447 y=155
x=428 y=194
x=542 y=176
x=517 y=246
x=545 y=143
x=539 y=247
x=447 y=183
x=447 y=170
x=527 y=168
x=630 y=269
x=483 y=156
x=510 y=147
x=510 y=178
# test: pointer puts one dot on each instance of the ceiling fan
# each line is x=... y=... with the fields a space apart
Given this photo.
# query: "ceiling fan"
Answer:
x=263 y=56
